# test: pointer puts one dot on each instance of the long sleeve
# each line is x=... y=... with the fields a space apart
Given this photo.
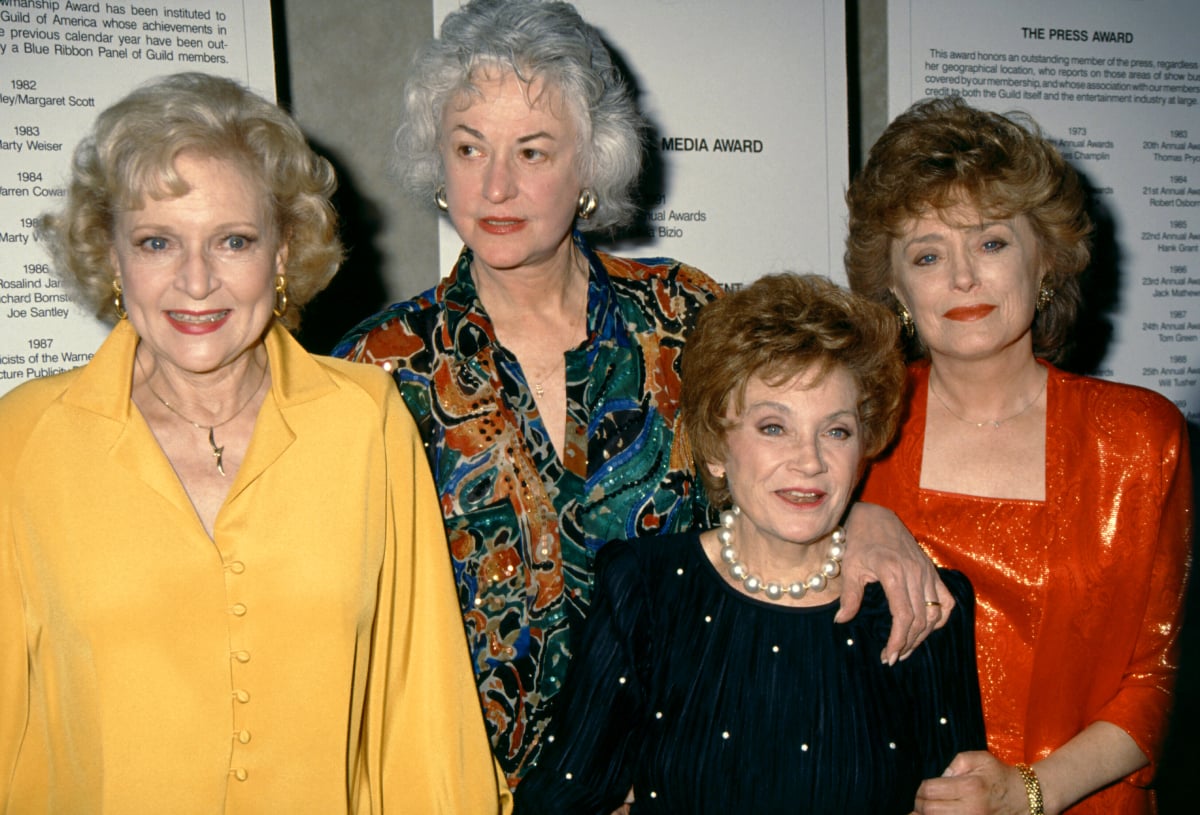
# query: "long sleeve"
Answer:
x=18 y=414
x=426 y=747
x=946 y=701
x=1144 y=695
x=14 y=687
x=589 y=766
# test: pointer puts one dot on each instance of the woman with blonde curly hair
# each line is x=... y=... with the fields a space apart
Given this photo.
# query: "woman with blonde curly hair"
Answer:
x=211 y=542
x=1065 y=499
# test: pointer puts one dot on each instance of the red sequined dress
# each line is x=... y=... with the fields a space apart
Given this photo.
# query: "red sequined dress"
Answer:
x=1080 y=596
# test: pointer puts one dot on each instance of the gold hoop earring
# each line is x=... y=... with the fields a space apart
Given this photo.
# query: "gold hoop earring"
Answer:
x=1045 y=295
x=118 y=299
x=907 y=326
x=281 y=298
x=439 y=198
x=587 y=204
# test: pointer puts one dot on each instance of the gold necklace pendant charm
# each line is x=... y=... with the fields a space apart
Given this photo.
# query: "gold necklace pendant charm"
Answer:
x=216 y=451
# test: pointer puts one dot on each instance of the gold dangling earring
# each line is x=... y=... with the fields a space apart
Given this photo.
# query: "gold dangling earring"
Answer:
x=907 y=326
x=439 y=198
x=1045 y=295
x=118 y=299
x=281 y=299
x=587 y=204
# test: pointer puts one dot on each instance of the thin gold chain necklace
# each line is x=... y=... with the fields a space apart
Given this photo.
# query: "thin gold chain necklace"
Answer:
x=218 y=451
x=995 y=423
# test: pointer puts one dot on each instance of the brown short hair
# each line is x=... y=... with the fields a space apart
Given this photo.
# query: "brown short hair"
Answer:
x=776 y=328
x=131 y=153
x=943 y=152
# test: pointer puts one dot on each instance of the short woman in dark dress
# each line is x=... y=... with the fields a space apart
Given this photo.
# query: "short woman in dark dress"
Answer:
x=712 y=677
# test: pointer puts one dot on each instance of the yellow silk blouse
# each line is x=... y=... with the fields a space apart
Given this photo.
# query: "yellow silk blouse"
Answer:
x=308 y=658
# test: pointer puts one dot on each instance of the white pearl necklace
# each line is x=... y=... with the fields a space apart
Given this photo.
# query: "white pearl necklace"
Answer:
x=795 y=590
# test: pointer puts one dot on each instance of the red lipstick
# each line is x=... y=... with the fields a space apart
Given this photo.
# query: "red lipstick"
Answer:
x=966 y=314
x=501 y=226
x=197 y=322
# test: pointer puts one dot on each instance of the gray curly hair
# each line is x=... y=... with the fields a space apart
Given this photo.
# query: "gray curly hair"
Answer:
x=534 y=40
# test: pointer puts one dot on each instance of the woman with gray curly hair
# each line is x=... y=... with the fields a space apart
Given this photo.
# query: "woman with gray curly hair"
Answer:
x=209 y=539
x=543 y=374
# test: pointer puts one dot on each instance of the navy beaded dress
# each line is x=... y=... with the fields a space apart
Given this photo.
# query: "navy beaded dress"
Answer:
x=705 y=700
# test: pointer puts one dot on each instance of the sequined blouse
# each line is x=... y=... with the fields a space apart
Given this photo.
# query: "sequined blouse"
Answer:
x=1080 y=596
x=523 y=525
x=705 y=700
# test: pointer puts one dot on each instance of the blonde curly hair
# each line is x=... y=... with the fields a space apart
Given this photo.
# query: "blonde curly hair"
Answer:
x=131 y=154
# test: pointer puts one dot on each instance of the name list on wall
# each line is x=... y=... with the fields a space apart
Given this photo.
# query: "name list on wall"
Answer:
x=64 y=62
x=1116 y=86
x=747 y=105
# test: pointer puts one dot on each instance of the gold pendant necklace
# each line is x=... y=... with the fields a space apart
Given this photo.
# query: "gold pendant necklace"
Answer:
x=218 y=451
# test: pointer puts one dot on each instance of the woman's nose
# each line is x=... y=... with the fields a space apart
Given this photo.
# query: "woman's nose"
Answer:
x=499 y=183
x=806 y=457
x=196 y=275
x=964 y=273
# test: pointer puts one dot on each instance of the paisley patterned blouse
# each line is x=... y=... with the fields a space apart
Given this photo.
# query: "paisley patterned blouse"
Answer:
x=524 y=526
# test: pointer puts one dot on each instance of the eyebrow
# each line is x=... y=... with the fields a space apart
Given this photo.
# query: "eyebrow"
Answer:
x=166 y=228
x=934 y=237
x=782 y=408
x=541 y=134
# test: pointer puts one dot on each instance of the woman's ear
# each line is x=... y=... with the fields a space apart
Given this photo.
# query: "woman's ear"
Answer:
x=281 y=258
x=715 y=468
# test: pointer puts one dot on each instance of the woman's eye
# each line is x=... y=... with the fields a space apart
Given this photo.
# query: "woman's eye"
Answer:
x=154 y=244
x=840 y=433
x=771 y=429
x=532 y=154
x=466 y=150
x=925 y=260
x=237 y=242
x=994 y=245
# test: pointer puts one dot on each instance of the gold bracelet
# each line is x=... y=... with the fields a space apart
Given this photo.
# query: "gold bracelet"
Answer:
x=1033 y=788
